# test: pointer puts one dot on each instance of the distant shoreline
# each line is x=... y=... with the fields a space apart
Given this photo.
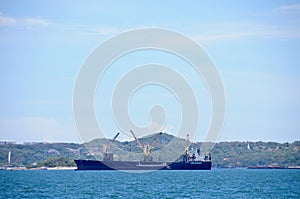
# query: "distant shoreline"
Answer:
x=37 y=168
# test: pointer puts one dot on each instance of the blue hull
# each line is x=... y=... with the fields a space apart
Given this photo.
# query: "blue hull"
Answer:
x=136 y=165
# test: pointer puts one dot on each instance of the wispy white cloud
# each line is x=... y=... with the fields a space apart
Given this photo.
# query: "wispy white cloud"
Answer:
x=224 y=36
x=7 y=21
x=36 y=21
x=13 y=21
x=102 y=30
x=92 y=30
x=288 y=8
x=233 y=31
x=36 y=129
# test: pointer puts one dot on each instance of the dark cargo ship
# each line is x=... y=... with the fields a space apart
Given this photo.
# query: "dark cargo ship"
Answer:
x=188 y=161
x=139 y=165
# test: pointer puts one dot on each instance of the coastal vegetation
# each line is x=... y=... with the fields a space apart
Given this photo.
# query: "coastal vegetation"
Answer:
x=224 y=154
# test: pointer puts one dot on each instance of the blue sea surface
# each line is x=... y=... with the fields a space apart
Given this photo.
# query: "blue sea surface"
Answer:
x=217 y=183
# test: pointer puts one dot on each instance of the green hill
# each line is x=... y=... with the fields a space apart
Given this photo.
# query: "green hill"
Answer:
x=237 y=154
x=224 y=154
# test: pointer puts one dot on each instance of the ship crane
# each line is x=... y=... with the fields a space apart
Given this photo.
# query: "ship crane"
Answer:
x=144 y=148
x=147 y=149
x=109 y=156
x=151 y=148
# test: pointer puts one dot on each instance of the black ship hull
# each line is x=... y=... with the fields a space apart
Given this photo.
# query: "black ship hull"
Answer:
x=137 y=165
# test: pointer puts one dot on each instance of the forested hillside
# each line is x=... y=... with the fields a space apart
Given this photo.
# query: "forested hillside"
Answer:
x=224 y=154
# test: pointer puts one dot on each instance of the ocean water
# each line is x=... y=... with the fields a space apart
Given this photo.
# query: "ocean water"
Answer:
x=217 y=183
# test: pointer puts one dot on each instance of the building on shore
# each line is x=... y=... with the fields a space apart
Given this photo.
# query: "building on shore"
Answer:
x=3 y=142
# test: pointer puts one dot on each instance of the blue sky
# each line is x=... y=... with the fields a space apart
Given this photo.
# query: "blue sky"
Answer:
x=254 y=45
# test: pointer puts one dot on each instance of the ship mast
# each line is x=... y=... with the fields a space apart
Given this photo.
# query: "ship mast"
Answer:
x=187 y=144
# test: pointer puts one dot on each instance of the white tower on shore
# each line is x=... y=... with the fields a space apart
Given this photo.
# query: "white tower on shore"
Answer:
x=8 y=158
